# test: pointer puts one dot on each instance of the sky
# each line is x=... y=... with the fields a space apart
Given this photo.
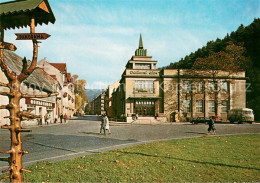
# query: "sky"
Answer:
x=96 y=38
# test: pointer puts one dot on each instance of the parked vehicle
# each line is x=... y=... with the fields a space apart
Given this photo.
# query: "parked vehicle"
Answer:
x=240 y=115
x=199 y=120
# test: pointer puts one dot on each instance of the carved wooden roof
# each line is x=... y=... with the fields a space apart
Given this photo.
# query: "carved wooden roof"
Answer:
x=17 y=14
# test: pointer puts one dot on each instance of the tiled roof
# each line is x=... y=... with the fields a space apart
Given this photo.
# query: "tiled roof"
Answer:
x=60 y=66
x=38 y=78
x=16 y=13
x=69 y=78
x=54 y=77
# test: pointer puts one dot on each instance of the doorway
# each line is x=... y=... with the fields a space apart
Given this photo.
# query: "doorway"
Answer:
x=144 y=107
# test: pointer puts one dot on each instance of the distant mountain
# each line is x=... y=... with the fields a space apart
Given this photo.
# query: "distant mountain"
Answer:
x=93 y=93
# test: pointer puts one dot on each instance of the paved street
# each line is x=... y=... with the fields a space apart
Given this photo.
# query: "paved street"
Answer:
x=81 y=137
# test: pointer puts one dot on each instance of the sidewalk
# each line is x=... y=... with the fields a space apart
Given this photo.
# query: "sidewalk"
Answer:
x=35 y=123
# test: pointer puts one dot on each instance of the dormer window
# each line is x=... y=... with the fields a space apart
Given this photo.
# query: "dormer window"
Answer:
x=142 y=66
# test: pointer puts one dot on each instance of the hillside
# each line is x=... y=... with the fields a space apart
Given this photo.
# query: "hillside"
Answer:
x=250 y=37
x=93 y=93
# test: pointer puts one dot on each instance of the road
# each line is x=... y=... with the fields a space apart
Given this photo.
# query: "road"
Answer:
x=81 y=137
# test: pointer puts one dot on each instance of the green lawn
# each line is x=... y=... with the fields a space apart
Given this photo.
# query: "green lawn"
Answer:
x=206 y=159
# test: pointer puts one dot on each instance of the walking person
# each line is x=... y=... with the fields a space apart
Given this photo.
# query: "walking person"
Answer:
x=61 y=117
x=106 y=120
x=65 y=118
x=46 y=119
x=102 y=125
x=211 y=125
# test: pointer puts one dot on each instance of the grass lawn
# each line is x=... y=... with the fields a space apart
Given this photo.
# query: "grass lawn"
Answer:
x=206 y=159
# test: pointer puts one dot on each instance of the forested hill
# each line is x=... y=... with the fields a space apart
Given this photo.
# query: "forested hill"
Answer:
x=250 y=37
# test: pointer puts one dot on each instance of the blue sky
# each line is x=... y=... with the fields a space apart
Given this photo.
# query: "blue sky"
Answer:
x=97 y=37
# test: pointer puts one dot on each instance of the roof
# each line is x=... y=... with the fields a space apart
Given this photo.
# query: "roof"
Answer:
x=38 y=78
x=60 y=66
x=18 y=13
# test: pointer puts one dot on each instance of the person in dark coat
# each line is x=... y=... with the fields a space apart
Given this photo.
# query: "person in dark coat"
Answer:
x=61 y=117
x=211 y=125
x=102 y=125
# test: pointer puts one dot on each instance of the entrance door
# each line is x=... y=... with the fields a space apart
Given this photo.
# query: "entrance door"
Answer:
x=144 y=107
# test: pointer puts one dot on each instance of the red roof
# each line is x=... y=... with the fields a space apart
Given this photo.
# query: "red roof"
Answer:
x=60 y=66
x=69 y=78
x=54 y=77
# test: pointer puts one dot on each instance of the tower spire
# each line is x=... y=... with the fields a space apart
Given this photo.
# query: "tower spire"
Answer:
x=141 y=51
x=141 y=42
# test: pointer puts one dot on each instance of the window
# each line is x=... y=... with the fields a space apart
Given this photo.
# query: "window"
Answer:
x=186 y=106
x=199 y=106
x=186 y=86
x=200 y=87
x=144 y=86
x=212 y=86
x=224 y=104
x=211 y=106
x=143 y=66
x=224 y=86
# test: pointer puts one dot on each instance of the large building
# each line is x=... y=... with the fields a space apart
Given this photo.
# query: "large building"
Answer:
x=66 y=97
x=174 y=94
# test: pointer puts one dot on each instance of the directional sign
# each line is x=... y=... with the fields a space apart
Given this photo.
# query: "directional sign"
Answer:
x=31 y=36
x=7 y=46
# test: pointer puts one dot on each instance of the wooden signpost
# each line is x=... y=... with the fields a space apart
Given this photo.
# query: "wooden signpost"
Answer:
x=17 y=14
x=31 y=36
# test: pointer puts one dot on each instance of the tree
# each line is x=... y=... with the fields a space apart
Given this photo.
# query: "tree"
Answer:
x=231 y=60
x=80 y=91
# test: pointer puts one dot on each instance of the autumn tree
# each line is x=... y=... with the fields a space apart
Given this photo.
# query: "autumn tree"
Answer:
x=231 y=60
x=80 y=93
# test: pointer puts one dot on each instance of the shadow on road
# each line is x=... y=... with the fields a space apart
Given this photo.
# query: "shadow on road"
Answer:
x=196 y=133
x=87 y=118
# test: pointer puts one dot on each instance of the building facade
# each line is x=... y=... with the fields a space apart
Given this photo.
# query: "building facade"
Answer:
x=99 y=104
x=46 y=79
x=38 y=83
x=175 y=94
x=66 y=97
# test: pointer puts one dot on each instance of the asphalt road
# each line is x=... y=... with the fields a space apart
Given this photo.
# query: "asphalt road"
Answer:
x=81 y=137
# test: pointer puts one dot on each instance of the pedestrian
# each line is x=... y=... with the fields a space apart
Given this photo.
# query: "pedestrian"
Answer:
x=65 y=118
x=102 y=125
x=46 y=119
x=106 y=120
x=61 y=117
x=211 y=125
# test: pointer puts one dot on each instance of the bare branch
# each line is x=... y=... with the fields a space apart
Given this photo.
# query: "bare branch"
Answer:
x=4 y=84
x=6 y=152
x=7 y=170
x=9 y=106
x=6 y=127
x=25 y=170
x=39 y=96
x=4 y=159
x=22 y=130
x=9 y=74
x=7 y=93
x=28 y=115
